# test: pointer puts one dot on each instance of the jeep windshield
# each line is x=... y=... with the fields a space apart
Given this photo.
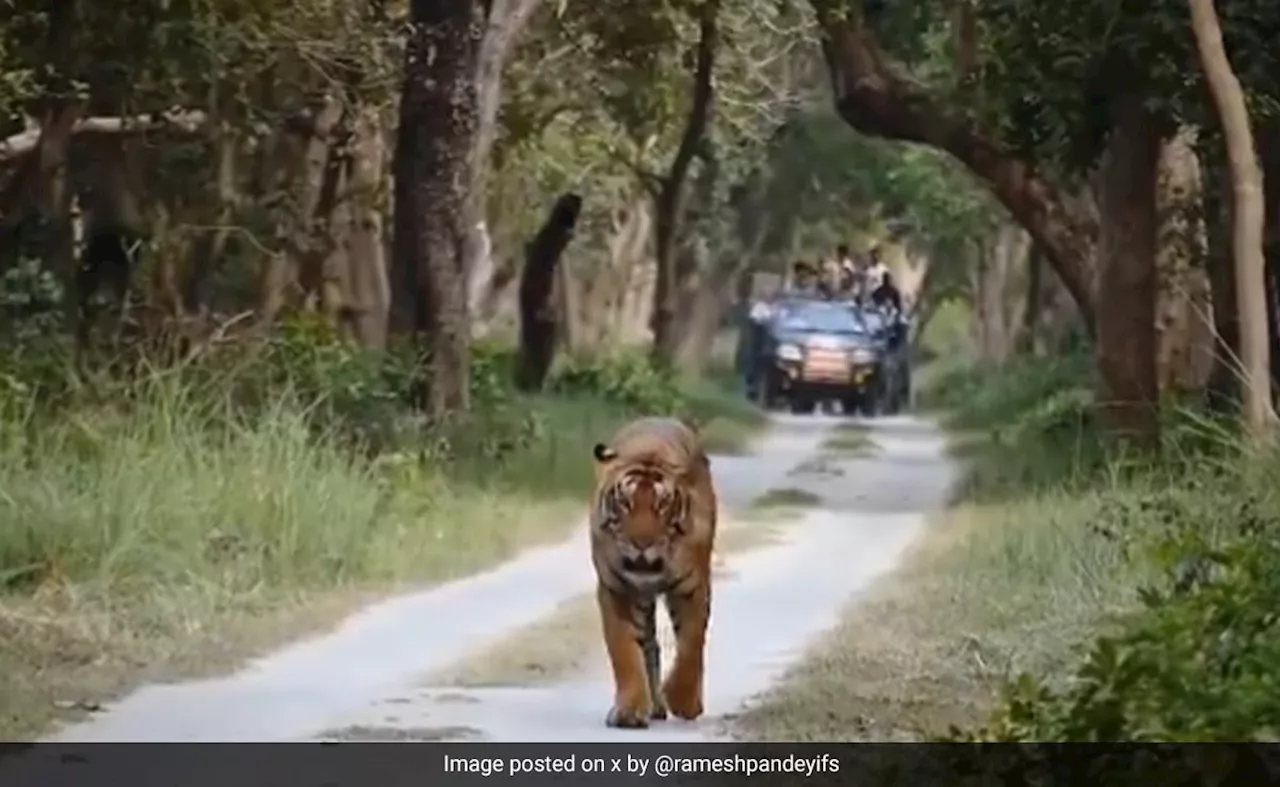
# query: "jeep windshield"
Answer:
x=818 y=317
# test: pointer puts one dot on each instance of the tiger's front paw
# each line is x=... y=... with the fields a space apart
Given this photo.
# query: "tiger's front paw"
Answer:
x=683 y=696
x=626 y=717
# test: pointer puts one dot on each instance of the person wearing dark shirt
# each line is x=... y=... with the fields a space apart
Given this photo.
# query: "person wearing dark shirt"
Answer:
x=887 y=294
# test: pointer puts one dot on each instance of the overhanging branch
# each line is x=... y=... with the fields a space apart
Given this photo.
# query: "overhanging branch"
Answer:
x=873 y=98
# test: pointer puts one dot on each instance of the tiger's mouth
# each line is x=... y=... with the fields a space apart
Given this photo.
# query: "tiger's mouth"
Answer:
x=644 y=573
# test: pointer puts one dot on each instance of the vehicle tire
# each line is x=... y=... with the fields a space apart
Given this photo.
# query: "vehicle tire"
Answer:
x=803 y=405
x=850 y=405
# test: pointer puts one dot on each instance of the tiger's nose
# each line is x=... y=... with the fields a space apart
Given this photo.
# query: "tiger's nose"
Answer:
x=645 y=562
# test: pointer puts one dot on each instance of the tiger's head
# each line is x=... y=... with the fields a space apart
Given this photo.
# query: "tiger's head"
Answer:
x=640 y=515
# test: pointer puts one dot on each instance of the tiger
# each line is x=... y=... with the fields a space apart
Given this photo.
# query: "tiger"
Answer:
x=653 y=528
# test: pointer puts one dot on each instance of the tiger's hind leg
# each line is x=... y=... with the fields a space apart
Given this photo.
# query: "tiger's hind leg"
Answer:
x=623 y=638
x=652 y=656
x=690 y=612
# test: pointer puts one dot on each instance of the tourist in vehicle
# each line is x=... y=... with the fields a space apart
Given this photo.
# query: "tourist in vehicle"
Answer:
x=876 y=272
x=804 y=279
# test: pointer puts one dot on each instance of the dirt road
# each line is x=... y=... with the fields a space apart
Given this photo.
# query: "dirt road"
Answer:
x=515 y=654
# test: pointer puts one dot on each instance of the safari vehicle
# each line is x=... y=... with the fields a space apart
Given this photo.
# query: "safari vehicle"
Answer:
x=813 y=351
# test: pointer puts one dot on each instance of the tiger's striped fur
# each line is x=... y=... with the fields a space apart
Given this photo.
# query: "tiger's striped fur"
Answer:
x=653 y=525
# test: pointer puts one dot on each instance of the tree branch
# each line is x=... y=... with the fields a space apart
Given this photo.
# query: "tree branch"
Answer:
x=876 y=100
x=183 y=121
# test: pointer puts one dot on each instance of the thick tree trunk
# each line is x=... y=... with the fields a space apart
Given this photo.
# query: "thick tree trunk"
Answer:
x=537 y=311
x=874 y=99
x=1249 y=213
x=628 y=253
x=432 y=169
x=1128 y=394
x=670 y=202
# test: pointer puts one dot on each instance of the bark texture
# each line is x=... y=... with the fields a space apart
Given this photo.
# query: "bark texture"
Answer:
x=1128 y=395
x=432 y=168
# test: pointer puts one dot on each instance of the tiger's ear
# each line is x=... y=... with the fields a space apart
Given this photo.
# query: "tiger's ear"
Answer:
x=604 y=453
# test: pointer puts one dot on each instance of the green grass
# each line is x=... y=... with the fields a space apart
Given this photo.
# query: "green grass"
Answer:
x=171 y=535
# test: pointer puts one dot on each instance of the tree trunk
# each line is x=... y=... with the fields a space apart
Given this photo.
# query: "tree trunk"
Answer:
x=980 y=317
x=874 y=99
x=1184 y=330
x=211 y=244
x=369 y=297
x=537 y=312
x=605 y=304
x=1248 y=220
x=319 y=240
x=432 y=169
x=504 y=22
x=1268 y=144
x=1128 y=394
x=670 y=202
x=1034 y=298
x=1223 y=394
x=308 y=176
x=114 y=231
x=1006 y=305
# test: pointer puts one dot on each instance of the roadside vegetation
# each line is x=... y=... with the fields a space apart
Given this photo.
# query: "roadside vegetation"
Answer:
x=174 y=522
x=1070 y=593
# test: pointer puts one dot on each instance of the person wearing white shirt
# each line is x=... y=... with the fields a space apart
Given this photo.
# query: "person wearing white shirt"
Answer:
x=876 y=272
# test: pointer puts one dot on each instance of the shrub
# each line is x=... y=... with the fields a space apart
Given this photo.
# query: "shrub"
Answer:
x=1198 y=657
x=626 y=379
x=1200 y=661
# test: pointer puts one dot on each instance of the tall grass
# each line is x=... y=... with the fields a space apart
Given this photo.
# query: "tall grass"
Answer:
x=177 y=522
x=1181 y=543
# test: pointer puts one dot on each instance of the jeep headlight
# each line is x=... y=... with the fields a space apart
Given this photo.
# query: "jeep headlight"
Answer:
x=862 y=355
x=790 y=352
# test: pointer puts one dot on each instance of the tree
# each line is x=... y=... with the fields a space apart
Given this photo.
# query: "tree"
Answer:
x=432 y=168
x=671 y=192
x=537 y=318
x=1247 y=216
x=504 y=22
